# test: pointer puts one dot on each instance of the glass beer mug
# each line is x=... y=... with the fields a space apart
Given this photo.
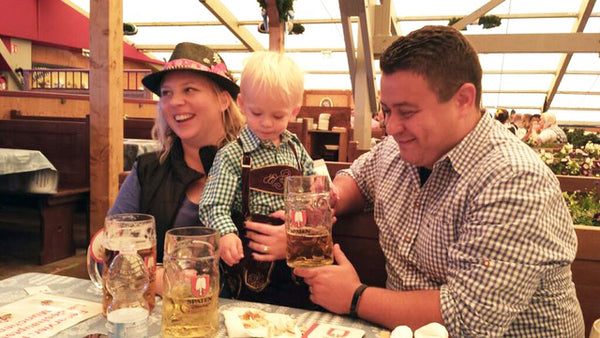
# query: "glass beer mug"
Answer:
x=308 y=221
x=191 y=283
x=139 y=229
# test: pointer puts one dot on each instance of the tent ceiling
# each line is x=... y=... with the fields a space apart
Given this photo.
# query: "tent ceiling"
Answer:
x=524 y=65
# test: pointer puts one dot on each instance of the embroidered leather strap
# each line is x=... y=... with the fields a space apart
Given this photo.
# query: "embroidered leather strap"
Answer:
x=246 y=166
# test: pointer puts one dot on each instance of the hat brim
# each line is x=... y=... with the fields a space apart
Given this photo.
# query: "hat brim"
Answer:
x=153 y=81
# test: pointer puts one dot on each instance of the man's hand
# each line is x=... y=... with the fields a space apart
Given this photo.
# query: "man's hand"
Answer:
x=231 y=249
x=332 y=286
x=268 y=241
x=333 y=195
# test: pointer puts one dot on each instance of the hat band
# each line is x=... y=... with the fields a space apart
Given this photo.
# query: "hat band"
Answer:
x=219 y=68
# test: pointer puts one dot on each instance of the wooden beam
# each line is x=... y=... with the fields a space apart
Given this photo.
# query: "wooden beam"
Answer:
x=462 y=23
x=360 y=63
x=501 y=16
x=519 y=43
x=276 y=29
x=230 y=21
x=348 y=40
x=106 y=106
x=395 y=18
x=584 y=14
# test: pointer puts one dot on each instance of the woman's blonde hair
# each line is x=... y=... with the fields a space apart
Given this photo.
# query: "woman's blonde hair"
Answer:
x=232 y=118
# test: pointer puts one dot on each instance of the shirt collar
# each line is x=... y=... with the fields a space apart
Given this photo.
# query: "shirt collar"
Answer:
x=471 y=148
x=252 y=142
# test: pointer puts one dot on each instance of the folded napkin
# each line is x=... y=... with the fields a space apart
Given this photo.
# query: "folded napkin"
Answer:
x=248 y=322
x=431 y=330
x=402 y=331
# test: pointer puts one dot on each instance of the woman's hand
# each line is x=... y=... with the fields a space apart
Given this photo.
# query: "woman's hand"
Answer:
x=268 y=241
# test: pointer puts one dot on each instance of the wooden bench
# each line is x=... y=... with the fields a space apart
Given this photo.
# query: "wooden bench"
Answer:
x=133 y=127
x=138 y=127
x=66 y=145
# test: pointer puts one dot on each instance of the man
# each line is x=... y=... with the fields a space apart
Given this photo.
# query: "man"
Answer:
x=550 y=132
x=472 y=224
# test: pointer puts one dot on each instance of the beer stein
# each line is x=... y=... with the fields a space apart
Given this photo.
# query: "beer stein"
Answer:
x=139 y=229
x=308 y=221
x=191 y=283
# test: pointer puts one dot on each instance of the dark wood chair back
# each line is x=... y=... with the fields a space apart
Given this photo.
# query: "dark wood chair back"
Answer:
x=300 y=129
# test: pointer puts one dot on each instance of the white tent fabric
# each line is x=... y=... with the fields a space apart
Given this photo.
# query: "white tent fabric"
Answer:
x=519 y=81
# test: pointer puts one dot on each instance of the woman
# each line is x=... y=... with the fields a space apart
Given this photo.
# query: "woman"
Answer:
x=196 y=114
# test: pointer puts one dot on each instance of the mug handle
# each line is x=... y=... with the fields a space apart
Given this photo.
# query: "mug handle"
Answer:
x=95 y=258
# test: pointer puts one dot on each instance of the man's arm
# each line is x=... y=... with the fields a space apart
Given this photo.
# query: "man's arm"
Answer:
x=348 y=196
x=333 y=287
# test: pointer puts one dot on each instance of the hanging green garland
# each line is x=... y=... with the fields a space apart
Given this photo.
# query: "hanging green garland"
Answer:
x=283 y=6
x=286 y=13
x=487 y=21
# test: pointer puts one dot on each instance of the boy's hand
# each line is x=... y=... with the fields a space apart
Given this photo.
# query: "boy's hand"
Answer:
x=231 y=249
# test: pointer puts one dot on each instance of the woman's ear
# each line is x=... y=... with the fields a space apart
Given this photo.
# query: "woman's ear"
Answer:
x=240 y=101
x=224 y=99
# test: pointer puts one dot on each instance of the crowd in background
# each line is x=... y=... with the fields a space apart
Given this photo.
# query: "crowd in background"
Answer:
x=534 y=129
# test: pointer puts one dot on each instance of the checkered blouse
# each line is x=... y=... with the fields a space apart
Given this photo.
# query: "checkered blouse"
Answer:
x=223 y=190
x=489 y=228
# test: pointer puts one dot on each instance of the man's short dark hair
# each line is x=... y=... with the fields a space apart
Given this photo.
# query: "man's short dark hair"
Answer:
x=441 y=54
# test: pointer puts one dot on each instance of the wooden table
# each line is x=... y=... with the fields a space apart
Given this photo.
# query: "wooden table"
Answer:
x=27 y=171
x=132 y=148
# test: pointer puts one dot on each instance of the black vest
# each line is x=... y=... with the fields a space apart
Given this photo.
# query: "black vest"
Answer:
x=163 y=188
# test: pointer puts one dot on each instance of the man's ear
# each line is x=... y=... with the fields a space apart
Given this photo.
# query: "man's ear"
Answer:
x=465 y=96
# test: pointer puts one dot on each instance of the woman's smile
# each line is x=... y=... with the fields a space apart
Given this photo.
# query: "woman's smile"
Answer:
x=182 y=117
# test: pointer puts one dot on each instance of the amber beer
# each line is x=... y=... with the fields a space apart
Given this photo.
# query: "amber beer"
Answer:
x=148 y=253
x=184 y=315
x=191 y=283
x=308 y=221
x=309 y=247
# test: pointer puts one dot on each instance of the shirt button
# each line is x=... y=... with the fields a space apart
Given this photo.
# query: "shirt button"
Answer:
x=407 y=239
x=486 y=263
x=417 y=204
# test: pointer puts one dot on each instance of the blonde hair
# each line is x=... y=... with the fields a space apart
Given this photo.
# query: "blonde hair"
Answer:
x=549 y=119
x=266 y=73
x=232 y=118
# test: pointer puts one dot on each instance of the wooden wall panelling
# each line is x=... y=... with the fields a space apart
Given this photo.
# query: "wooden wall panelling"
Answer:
x=340 y=98
x=64 y=105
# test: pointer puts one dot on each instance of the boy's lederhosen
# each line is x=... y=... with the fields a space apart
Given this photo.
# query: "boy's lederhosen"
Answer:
x=265 y=282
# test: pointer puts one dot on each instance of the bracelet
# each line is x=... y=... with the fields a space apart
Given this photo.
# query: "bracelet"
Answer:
x=356 y=299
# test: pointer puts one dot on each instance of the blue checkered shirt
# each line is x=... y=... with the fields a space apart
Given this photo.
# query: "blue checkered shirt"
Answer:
x=223 y=190
x=489 y=229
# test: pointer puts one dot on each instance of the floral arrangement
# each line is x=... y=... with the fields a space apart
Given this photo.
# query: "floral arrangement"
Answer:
x=574 y=161
x=584 y=207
